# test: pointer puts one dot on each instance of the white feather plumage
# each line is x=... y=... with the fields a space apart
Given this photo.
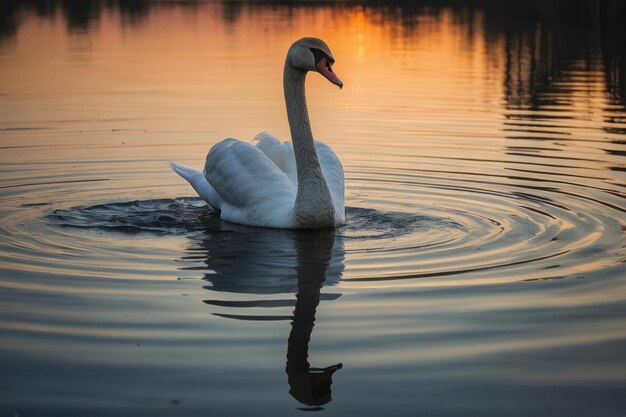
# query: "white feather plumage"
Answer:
x=256 y=184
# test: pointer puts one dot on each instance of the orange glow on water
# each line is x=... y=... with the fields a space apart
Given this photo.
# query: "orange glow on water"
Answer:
x=198 y=59
x=484 y=249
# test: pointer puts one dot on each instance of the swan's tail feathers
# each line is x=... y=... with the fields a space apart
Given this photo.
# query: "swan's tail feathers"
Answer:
x=196 y=179
x=183 y=171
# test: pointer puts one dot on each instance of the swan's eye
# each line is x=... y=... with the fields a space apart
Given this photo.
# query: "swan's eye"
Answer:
x=319 y=55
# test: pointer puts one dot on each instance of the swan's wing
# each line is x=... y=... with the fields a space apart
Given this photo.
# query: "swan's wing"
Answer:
x=252 y=189
x=281 y=153
x=333 y=172
x=198 y=182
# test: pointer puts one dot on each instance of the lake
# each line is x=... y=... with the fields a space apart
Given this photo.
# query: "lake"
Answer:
x=482 y=268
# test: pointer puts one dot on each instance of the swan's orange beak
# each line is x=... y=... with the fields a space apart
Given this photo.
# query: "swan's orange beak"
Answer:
x=326 y=69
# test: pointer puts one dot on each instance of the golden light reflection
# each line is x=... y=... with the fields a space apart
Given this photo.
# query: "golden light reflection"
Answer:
x=435 y=101
x=199 y=60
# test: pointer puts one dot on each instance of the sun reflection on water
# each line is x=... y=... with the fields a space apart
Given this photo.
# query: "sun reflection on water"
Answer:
x=482 y=267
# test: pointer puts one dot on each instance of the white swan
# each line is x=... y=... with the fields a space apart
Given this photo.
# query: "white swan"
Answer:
x=274 y=184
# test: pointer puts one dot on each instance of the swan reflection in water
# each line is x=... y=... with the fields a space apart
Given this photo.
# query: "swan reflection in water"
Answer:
x=269 y=261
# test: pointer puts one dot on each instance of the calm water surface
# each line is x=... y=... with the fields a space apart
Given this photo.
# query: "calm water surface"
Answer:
x=481 y=271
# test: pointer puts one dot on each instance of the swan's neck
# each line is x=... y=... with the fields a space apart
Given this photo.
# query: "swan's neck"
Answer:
x=313 y=207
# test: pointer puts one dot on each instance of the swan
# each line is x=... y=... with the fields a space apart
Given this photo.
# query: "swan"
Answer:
x=266 y=183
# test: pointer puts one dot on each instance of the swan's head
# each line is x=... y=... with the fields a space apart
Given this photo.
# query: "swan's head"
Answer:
x=312 y=54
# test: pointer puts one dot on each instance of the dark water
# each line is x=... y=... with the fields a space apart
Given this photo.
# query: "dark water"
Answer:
x=481 y=270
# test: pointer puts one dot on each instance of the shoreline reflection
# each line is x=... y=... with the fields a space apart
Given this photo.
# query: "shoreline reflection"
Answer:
x=538 y=44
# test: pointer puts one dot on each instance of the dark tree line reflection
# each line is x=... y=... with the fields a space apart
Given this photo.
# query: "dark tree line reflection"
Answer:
x=79 y=15
x=543 y=40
